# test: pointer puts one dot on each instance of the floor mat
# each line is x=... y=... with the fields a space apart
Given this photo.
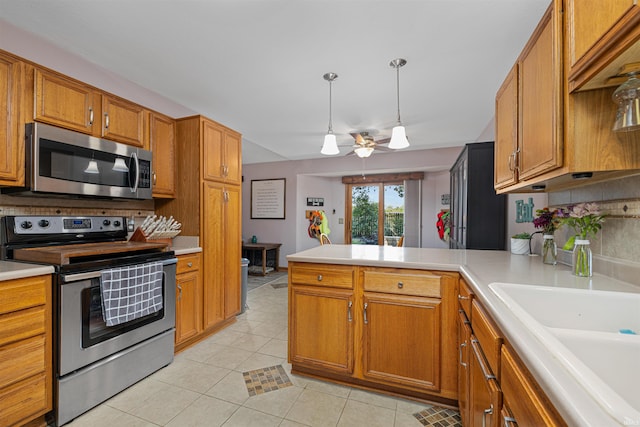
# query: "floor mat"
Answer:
x=437 y=416
x=264 y=380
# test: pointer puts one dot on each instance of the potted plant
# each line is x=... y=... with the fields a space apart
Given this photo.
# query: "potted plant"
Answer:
x=520 y=243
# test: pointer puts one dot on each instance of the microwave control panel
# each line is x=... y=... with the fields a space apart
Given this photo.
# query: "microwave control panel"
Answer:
x=144 y=180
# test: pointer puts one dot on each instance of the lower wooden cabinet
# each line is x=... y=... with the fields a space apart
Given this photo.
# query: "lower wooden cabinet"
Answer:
x=25 y=350
x=381 y=328
x=321 y=328
x=494 y=386
x=188 y=298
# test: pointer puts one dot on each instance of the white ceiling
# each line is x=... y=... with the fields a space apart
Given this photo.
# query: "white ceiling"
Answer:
x=257 y=65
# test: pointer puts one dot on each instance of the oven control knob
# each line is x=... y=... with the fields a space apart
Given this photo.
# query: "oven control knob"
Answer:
x=106 y=222
x=26 y=225
x=43 y=223
x=116 y=223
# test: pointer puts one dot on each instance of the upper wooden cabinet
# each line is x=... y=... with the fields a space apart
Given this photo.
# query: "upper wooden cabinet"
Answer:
x=68 y=103
x=532 y=144
x=162 y=131
x=64 y=102
x=602 y=35
x=564 y=137
x=12 y=80
x=222 y=153
x=124 y=121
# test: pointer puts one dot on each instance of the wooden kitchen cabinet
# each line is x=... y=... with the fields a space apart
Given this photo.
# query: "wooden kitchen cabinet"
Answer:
x=64 y=102
x=485 y=394
x=464 y=379
x=222 y=153
x=536 y=145
x=212 y=211
x=188 y=298
x=602 y=35
x=344 y=319
x=68 y=103
x=526 y=403
x=12 y=81
x=26 y=386
x=124 y=121
x=162 y=130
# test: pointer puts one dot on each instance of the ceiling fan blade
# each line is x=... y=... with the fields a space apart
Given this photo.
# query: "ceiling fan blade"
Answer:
x=383 y=141
x=358 y=137
x=381 y=148
x=350 y=153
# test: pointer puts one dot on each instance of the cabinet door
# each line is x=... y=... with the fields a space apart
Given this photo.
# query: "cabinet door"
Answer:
x=163 y=147
x=589 y=22
x=464 y=339
x=540 y=93
x=213 y=247
x=506 y=146
x=232 y=250
x=390 y=323
x=187 y=302
x=528 y=404
x=232 y=168
x=64 y=102
x=213 y=151
x=12 y=123
x=321 y=328
x=485 y=393
x=124 y=121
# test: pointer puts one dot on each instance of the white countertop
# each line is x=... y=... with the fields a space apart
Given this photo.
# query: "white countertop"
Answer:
x=183 y=245
x=480 y=268
x=10 y=270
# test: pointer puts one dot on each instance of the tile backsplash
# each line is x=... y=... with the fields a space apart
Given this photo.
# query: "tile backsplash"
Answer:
x=615 y=248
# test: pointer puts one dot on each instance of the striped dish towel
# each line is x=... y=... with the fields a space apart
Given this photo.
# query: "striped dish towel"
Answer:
x=130 y=292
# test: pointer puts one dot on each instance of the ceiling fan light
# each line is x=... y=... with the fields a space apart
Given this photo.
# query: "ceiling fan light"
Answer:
x=398 y=138
x=363 y=151
x=330 y=146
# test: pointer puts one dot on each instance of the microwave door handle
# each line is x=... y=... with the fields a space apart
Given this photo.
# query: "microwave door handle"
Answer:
x=136 y=171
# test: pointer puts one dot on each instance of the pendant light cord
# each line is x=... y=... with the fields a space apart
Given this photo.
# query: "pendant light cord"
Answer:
x=398 y=91
x=330 y=124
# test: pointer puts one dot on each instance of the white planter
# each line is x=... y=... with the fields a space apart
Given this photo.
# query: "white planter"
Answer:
x=519 y=246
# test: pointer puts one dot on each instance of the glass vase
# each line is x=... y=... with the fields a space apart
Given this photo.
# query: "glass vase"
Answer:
x=582 y=259
x=549 y=250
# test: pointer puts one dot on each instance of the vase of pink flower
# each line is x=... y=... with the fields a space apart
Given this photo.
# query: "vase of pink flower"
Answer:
x=586 y=220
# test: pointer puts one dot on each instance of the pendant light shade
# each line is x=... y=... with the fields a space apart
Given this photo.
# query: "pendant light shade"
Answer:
x=627 y=96
x=330 y=146
x=398 y=135
x=92 y=167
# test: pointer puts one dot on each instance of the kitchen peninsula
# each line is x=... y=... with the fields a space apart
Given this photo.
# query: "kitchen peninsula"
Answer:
x=347 y=288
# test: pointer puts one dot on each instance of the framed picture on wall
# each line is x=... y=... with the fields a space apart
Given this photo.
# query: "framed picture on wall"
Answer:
x=268 y=198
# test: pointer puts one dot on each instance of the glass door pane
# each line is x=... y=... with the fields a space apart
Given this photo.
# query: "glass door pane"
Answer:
x=393 y=214
x=364 y=212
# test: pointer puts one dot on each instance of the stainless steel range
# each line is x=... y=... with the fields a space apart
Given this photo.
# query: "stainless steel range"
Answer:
x=98 y=350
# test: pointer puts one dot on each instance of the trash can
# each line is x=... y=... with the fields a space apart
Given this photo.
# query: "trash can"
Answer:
x=245 y=277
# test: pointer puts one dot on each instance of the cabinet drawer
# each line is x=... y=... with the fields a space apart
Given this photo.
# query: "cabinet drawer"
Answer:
x=188 y=263
x=22 y=293
x=337 y=276
x=488 y=336
x=22 y=324
x=23 y=401
x=426 y=285
x=22 y=359
x=465 y=296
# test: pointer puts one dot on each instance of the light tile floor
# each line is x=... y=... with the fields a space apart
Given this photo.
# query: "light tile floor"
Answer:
x=204 y=386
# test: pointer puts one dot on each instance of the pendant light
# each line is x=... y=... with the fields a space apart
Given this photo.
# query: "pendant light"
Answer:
x=398 y=134
x=330 y=146
x=119 y=165
x=627 y=96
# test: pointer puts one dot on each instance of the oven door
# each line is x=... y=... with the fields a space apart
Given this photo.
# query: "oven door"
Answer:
x=67 y=162
x=84 y=338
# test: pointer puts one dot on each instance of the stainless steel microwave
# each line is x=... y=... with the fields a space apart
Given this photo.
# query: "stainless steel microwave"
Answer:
x=64 y=162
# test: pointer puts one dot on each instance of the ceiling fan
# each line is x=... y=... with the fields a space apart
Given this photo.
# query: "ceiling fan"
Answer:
x=365 y=144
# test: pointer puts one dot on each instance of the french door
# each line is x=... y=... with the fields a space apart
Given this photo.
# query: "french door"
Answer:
x=375 y=213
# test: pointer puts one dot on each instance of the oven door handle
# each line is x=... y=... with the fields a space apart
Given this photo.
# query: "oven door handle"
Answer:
x=68 y=278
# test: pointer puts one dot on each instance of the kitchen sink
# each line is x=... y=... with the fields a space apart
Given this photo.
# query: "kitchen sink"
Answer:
x=591 y=333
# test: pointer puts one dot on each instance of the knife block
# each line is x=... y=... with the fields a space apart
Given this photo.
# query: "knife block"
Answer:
x=138 y=236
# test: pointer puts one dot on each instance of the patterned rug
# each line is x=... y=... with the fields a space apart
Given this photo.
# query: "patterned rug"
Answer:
x=264 y=380
x=437 y=416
